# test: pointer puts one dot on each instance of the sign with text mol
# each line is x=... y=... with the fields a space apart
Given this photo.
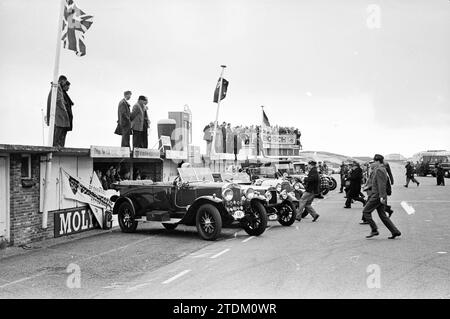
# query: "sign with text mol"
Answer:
x=110 y=151
x=72 y=221
x=146 y=153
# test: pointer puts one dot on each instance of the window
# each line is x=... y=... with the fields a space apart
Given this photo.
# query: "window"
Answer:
x=26 y=166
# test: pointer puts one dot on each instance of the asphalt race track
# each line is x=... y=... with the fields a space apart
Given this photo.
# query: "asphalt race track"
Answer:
x=330 y=258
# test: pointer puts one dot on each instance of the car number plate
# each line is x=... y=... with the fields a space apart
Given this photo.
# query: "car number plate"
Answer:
x=238 y=214
x=273 y=217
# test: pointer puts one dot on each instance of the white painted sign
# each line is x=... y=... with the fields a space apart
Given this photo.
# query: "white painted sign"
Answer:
x=109 y=151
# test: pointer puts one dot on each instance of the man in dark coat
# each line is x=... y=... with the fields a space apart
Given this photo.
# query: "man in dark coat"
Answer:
x=62 y=121
x=69 y=104
x=123 y=120
x=312 y=188
x=440 y=180
x=343 y=173
x=354 y=192
x=410 y=174
x=376 y=190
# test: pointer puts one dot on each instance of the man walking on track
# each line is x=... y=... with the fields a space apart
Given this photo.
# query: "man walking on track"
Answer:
x=410 y=174
x=377 y=198
x=354 y=192
x=312 y=187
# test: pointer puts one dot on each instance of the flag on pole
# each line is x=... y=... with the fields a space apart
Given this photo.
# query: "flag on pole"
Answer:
x=265 y=119
x=75 y=24
x=224 y=90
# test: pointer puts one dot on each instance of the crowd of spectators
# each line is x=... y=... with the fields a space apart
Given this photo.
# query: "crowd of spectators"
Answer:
x=116 y=174
x=230 y=139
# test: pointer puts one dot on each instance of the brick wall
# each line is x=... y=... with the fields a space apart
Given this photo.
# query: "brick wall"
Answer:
x=25 y=219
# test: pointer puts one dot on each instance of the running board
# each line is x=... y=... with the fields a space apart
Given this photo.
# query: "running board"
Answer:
x=171 y=221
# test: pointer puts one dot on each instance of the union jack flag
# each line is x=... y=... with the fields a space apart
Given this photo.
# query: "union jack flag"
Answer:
x=75 y=24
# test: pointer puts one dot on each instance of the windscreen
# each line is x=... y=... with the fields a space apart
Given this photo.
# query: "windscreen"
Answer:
x=195 y=174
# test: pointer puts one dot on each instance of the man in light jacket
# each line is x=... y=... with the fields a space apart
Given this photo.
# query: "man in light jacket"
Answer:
x=137 y=122
x=376 y=190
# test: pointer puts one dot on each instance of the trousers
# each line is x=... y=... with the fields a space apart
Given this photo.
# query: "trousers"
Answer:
x=374 y=203
x=305 y=203
x=125 y=139
x=59 y=136
x=138 y=139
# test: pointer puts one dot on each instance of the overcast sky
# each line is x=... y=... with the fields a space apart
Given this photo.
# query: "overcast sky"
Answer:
x=355 y=79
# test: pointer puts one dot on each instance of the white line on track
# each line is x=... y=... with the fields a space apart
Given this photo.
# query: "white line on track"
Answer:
x=184 y=272
x=246 y=240
x=221 y=253
x=408 y=208
x=22 y=280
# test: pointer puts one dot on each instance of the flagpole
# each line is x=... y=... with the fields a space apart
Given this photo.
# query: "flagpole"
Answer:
x=54 y=93
x=213 y=146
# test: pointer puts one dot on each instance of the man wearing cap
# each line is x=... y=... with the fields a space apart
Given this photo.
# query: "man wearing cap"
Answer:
x=312 y=187
x=137 y=121
x=62 y=120
x=376 y=190
x=124 y=122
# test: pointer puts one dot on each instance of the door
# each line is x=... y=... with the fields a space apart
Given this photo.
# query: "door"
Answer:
x=4 y=199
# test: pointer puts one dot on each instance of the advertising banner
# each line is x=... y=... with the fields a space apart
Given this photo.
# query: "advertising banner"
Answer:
x=89 y=193
x=72 y=221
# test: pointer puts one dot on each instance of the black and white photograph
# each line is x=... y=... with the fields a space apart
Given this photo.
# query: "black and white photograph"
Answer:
x=229 y=154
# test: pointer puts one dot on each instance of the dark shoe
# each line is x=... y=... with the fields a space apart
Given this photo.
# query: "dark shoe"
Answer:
x=347 y=207
x=418 y=184
x=405 y=185
x=364 y=202
x=298 y=219
x=364 y=223
x=372 y=234
x=395 y=235
x=315 y=218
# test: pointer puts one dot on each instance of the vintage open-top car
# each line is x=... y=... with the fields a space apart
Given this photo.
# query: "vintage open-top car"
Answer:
x=192 y=198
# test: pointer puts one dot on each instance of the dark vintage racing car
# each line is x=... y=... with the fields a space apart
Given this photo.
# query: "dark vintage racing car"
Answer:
x=192 y=198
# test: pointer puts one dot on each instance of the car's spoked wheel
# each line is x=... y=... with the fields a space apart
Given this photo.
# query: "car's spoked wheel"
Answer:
x=126 y=217
x=208 y=222
x=256 y=220
x=287 y=214
x=333 y=184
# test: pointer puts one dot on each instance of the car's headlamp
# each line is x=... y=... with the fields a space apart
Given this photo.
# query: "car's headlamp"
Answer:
x=297 y=186
x=227 y=194
x=278 y=187
x=250 y=193
x=268 y=195
x=284 y=194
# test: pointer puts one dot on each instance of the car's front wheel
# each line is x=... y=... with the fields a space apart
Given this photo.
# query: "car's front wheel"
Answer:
x=208 y=222
x=257 y=220
x=287 y=214
x=126 y=217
